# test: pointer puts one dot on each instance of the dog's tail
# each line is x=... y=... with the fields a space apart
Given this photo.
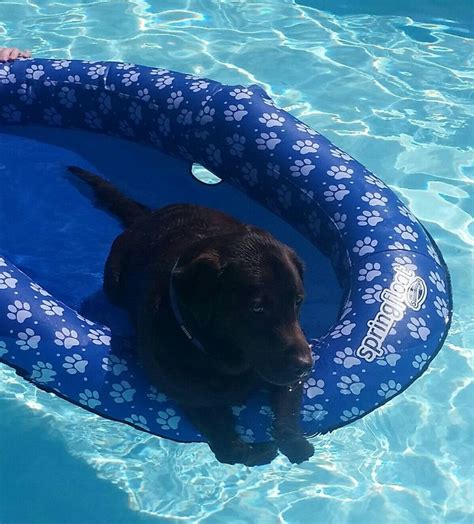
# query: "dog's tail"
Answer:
x=111 y=198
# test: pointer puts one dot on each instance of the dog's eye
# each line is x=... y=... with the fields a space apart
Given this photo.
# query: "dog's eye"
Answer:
x=299 y=301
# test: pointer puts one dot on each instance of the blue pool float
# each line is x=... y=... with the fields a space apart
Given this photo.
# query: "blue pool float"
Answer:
x=397 y=302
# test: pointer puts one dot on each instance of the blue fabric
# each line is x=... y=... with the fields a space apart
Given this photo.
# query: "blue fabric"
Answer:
x=397 y=305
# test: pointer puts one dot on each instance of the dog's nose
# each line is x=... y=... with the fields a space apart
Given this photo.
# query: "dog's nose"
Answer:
x=302 y=365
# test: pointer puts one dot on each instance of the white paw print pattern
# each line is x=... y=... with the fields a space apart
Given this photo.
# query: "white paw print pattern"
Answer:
x=250 y=174
x=437 y=281
x=372 y=179
x=374 y=199
x=74 y=79
x=75 y=364
x=351 y=414
x=61 y=64
x=92 y=120
x=43 y=372
x=164 y=125
x=240 y=93
x=161 y=71
x=340 y=172
x=407 y=213
x=284 y=196
x=306 y=146
x=28 y=339
x=122 y=392
x=335 y=193
x=373 y=294
x=27 y=95
x=344 y=329
x=89 y=398
x=314 y=412
x=144 y=94
x=175 y=99
x=11 y=114
x=3 y=348
x=442 y=308
x=135 y=112
x=125 y=128
x=7 y=281
x=365 y=246
x=347 y=358
x=168 y=419
x=19 y=311
x=273 y=170
x=155 y=139
x=350 y=385
x=389 y=358
x=340 y=220
x=98 y=337
x=154 y=395
x=271 y=120
x=389 y=389
x=198 y=85
x=6 y=77
x=420 y=361
x=369 y=218
x=52 y=117
x=138 y=420
x=314 y=387
x=185 y=117
x=305 y=129
x=268 y=141
x=434 y=254
x=96 y=71
x=406 y=262
x=84 y=319
x=418 y=328
x=68 y=338
x=235 y=112
x=67 y=97
x=164 y=81
x=399 y=246
x=236 y=143
x=407 y=232
x=337 y=153
x=206 y=115
x=51 y=308
x=115 y=364
x=246 y=434
x=130 y=77
x=214 y=155
x=34 y=72
x=302 y=167
x=269 y=102
x=369 y=272
x=2 y=262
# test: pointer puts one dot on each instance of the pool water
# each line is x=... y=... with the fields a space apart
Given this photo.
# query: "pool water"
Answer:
x=391 y=86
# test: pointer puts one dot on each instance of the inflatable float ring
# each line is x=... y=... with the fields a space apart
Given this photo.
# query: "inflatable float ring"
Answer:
x=397 y=304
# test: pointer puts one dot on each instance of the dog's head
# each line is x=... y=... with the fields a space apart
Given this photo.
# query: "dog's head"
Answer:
x=245 y=291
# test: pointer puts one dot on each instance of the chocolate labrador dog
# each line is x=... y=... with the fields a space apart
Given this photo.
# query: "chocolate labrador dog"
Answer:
x=215 y=305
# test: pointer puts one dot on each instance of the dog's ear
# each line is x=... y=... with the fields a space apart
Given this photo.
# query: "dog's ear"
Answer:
x=197 y=283
x=296 y=260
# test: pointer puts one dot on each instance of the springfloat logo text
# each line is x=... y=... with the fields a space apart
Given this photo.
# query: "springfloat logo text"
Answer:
x=406 y=290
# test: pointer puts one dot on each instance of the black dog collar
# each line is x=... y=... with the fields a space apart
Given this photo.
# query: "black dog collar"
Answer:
x=179 y=316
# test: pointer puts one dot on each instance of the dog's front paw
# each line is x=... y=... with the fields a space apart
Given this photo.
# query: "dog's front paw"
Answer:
x=296 y=448
x=238 y=452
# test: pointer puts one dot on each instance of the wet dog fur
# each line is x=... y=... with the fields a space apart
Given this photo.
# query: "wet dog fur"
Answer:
x=239 y=291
